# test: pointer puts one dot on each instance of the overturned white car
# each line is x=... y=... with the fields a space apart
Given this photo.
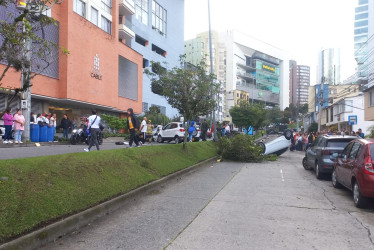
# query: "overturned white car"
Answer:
x=276 y=143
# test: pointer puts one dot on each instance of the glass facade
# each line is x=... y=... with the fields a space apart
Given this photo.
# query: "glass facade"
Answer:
x=361 y=36
x=267 y=76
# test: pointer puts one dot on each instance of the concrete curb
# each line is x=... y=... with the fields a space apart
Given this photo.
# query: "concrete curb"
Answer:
x=52 y=232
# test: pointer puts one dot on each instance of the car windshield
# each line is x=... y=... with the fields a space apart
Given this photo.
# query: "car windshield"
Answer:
x=341 y=143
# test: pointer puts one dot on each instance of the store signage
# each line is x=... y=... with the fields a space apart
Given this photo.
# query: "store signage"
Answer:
x=268 y=68
x=95 y=72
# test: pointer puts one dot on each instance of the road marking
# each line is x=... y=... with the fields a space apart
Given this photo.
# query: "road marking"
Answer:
x=282 y=175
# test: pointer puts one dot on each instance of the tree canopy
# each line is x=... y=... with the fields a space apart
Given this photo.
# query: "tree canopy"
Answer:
x=187 y=88
x=246 y=114
x=22 y=38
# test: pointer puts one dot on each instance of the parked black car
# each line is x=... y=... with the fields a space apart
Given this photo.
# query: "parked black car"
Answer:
x=317 y=156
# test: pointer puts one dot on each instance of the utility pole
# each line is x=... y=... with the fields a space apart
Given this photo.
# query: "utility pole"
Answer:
x=320 y=105
x=212 y=72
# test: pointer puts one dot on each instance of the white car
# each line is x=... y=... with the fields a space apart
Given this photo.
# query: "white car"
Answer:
x=173 y=131
x=275 y=143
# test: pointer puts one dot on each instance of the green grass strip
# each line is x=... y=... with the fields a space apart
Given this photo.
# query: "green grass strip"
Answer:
x=42 y=189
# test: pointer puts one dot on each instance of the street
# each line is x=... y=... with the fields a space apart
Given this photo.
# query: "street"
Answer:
x=269 y=205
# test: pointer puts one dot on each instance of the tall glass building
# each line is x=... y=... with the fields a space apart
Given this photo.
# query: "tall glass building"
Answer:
x=361 y=37
x=329 y=66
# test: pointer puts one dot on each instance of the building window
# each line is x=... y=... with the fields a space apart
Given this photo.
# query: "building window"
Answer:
x=141 y=11
x=79 y=7
x=94 y=16
x=106 y=5
x=159 y=18
x=106 y=25
x=371 y=99
x=141 y=40
x=158 y=50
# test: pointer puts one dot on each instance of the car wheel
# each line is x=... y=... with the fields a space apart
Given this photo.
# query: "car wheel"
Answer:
x=177 y=140
x=73 y=140
x=317 y=169
x=159 y=139
x=262 y=146
x=359 y=200
x=334 y=181
x=305 y=163
x=288 y=134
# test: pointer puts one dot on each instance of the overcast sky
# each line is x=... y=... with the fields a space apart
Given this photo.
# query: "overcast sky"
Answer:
x=300 y=27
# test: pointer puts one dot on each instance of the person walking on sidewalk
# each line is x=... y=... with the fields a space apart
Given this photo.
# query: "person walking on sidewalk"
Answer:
x=143 y=129
x=65 y=125
x=149 y=131
x=133 y=125
x=94 y=127
x=19 y=126
x=204 y=130
x=8 y=123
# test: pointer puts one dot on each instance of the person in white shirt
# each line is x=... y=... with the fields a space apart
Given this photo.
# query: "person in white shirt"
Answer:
x=94 y=123
x=143 y=129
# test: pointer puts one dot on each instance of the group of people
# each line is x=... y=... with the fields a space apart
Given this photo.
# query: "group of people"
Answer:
x=301 y=142
x=14 y=121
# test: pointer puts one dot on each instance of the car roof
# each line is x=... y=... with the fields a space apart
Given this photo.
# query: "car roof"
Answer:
x=366 y=141
x=340 y=136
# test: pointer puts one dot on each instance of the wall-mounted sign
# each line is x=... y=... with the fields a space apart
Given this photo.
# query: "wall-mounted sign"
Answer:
x=95 y=72
x=268 y=68
x=352 y=119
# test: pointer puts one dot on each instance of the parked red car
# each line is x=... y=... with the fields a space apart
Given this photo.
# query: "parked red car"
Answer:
x=354 y=169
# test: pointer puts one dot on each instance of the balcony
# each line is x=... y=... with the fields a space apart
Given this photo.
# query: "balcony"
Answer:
x=126 y=7
x=246 y=67
x=125 y=31
x=246 y=76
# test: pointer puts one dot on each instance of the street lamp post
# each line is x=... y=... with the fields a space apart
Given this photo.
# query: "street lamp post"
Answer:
x=212 y=72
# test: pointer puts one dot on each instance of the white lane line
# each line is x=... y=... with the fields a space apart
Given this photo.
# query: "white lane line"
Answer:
x=282 y=175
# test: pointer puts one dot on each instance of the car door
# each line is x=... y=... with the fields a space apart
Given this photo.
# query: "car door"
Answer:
x=351 y=162
x=311 y=153
x=341 y=166
x=166 y=131
x=173 y=130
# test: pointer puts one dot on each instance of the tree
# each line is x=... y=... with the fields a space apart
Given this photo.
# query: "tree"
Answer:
x=187 y=88
x=246 y=114
x=22 y=41
x=154 y=110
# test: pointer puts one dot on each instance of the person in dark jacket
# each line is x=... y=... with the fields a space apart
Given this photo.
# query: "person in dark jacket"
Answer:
x=204 y=130
x=66 y=124
x=133 y=125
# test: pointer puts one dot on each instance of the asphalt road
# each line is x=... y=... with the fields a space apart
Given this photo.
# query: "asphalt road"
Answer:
x=56 y=149
x=269 y=205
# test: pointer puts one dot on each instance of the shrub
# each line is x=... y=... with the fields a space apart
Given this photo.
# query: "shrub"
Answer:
x=240 y=148
x=108 y=134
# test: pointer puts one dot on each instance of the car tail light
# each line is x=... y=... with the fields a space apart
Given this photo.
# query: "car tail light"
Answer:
x=181 y=130
x=326 y=152
x=369 y=168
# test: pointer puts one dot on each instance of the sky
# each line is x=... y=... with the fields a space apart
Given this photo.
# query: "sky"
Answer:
x=300 y=27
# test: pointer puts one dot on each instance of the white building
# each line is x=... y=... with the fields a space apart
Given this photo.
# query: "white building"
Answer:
x=349 y=107
x=257 y=68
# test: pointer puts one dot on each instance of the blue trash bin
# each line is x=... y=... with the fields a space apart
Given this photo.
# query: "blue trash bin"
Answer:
x=50 y=133
x=34 y=132
x=43 y=133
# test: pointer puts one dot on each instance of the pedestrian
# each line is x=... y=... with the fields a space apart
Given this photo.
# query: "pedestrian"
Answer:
x=362 y=135
x=46 y=119
x=8 y=124
x=32 y=118
x=65 y=125
x=19 y=126
x=39 y=120
x=227 y=130
x=191 y=130
x=143 y=130
x=149 y=131
x=94 y=127
x=353 y=132
x=204 y=130
x=133 y=125
x=305 y=142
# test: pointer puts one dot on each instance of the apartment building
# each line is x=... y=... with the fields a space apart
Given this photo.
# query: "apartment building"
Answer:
x=299 y=83
x=159 y=37
x=101 y=72
x=198 y=49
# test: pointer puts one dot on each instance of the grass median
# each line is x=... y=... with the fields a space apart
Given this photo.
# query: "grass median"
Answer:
x=40 y=190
